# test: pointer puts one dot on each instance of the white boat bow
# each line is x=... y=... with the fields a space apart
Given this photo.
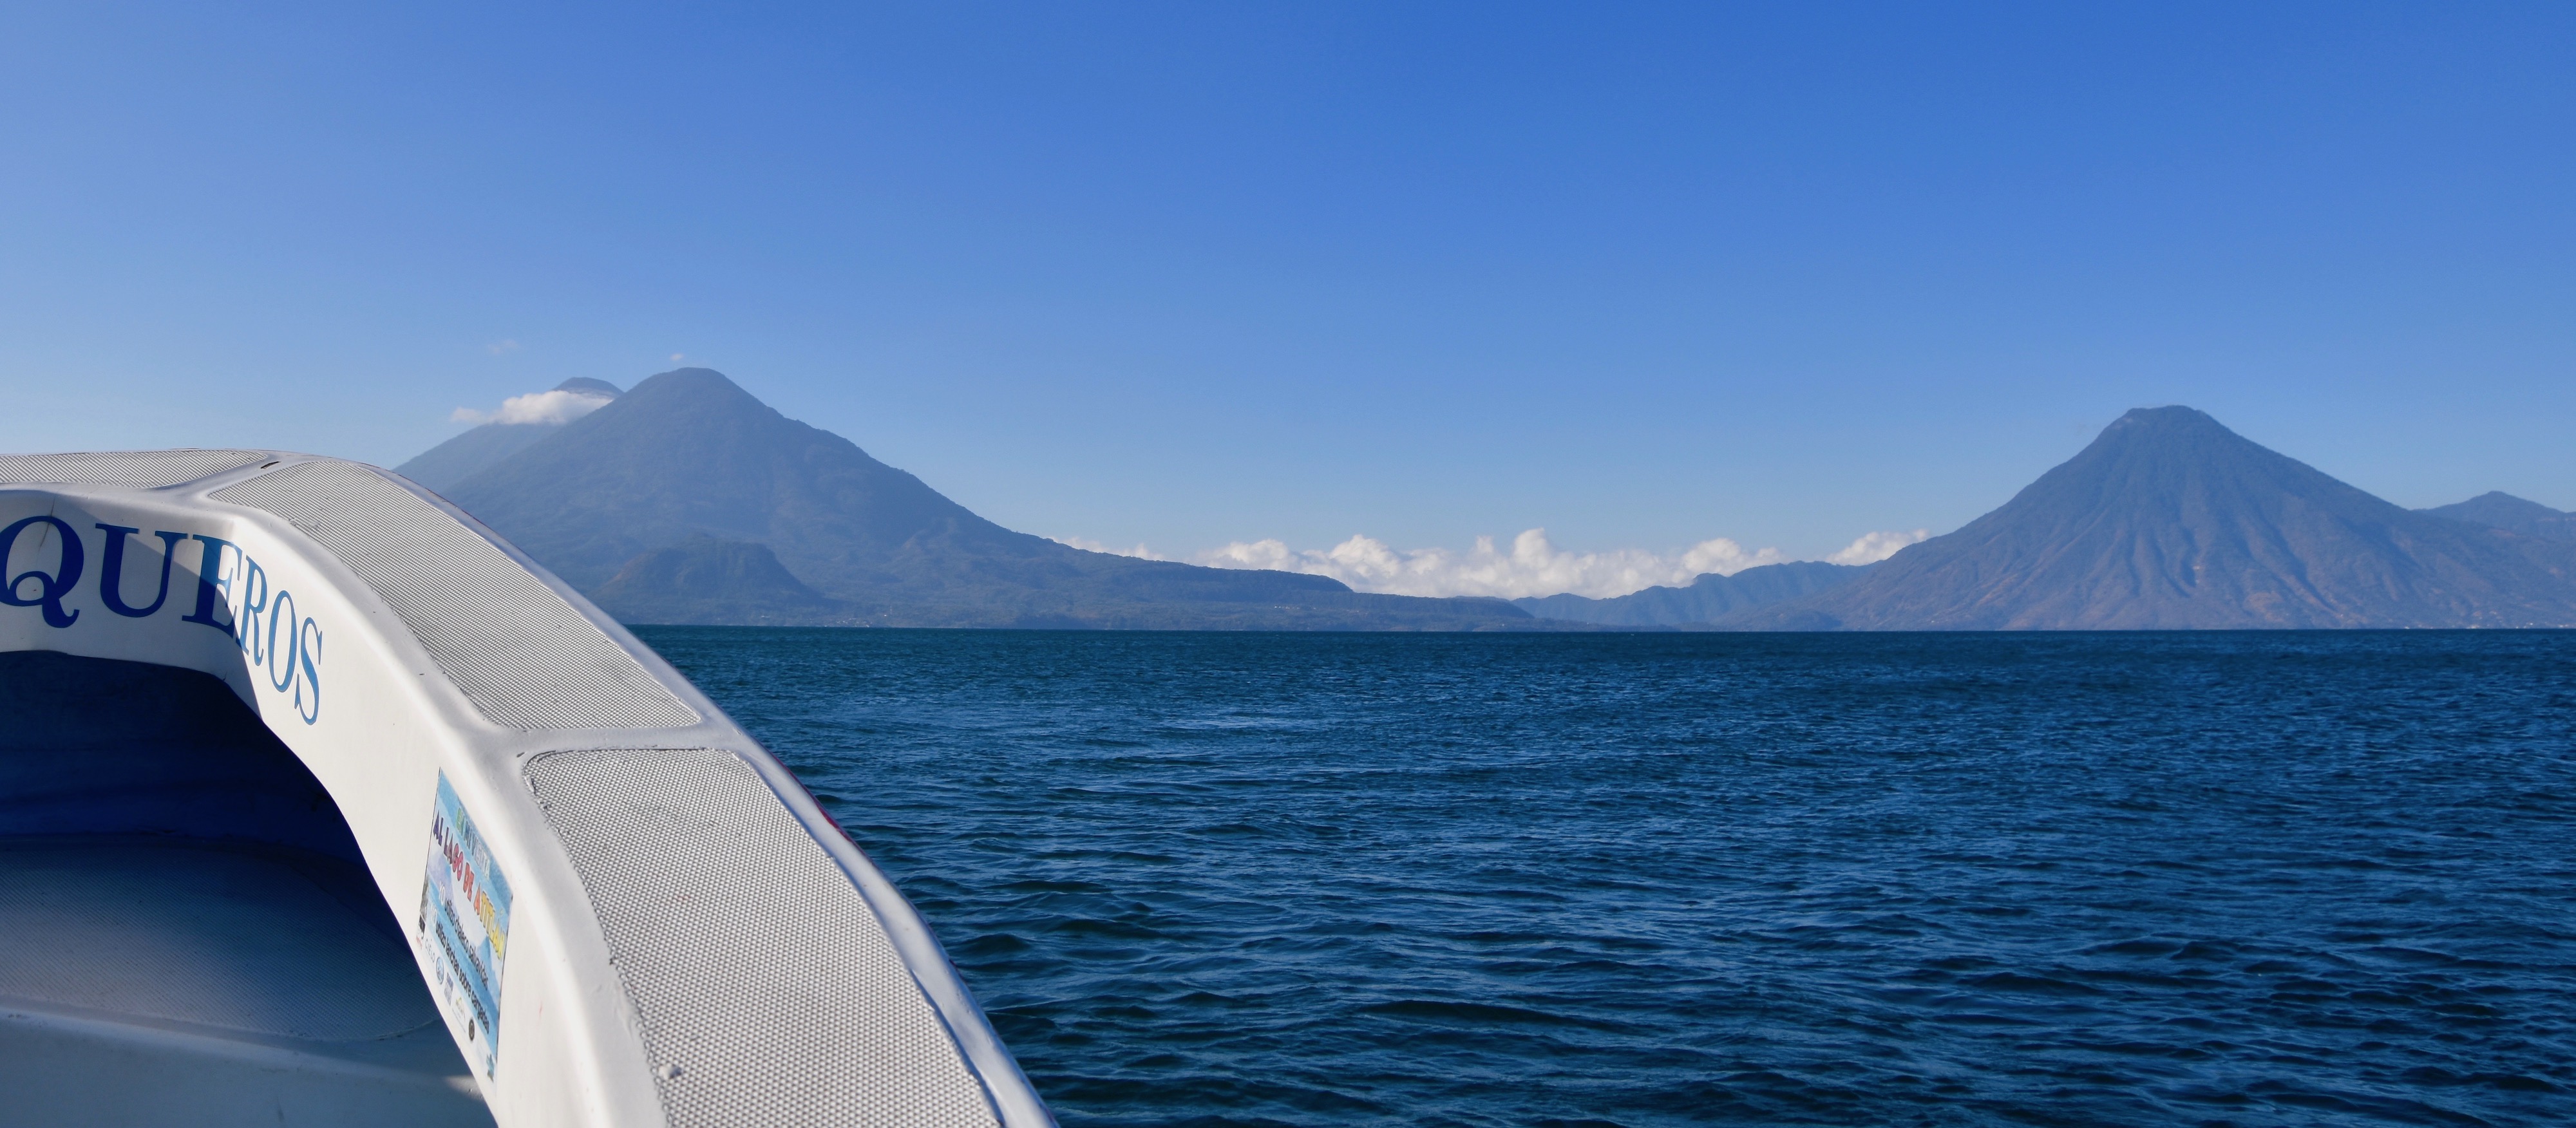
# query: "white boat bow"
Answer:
x=618 y=908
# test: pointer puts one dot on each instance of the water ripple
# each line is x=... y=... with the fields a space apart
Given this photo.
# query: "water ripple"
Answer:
x=2258 y=879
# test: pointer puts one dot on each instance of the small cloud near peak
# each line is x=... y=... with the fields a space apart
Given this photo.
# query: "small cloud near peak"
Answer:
x=501 y=348
x=1874 y=547
x=555 y=407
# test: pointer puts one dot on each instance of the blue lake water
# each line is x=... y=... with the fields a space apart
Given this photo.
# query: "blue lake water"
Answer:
x=2249 y=879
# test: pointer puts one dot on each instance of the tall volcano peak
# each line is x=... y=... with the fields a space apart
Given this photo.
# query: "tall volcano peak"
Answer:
x=704 y=384
x=689 y=500
x=2170 y=520
x=2170 y=417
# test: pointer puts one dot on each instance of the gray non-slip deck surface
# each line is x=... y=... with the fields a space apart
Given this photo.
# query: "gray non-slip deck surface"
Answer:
x=522 y=655
x=142 y=469
x=767 y=990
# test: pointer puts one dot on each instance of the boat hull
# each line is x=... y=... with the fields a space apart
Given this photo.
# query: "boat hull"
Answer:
x=621 y=909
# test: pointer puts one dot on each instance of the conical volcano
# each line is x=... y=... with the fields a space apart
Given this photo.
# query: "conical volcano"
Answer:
x=2171 y=521
x=683 y=499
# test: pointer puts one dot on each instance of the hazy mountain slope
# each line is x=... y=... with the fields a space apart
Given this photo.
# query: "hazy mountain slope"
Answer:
x=2169 y=520
x=710 y=581
x=688 y=454
x=443 y=466
x=2497 y=509
x=1707 y=599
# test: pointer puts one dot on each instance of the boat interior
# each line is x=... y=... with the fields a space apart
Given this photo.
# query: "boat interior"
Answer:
x=188 y=935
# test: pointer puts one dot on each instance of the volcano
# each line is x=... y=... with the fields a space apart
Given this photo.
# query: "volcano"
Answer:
x=687 y=500
x=2171 y=521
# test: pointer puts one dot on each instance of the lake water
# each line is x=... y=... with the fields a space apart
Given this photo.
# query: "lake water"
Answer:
x=2250 y=879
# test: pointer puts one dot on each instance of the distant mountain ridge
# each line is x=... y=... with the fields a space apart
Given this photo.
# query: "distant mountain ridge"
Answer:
x=2169 y=520
x=686 y=500
x=2497 y=509
x=1707 y=599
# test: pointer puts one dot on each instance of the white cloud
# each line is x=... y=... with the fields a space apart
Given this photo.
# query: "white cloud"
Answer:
x=558 y=406
x=1531 y=566
x=1086 y=544
x=1874 y=547
x=501 y=348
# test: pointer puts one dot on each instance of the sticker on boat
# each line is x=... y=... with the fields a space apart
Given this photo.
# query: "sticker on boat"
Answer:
x=464 y=930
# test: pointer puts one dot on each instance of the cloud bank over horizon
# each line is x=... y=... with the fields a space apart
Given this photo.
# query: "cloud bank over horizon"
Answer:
x=552 y=407
x=1531 y=566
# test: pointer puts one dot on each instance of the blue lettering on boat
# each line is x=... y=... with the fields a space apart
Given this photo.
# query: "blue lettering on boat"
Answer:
x=209 y=566
x=111 y=570
x=49 y=587
x=234 y=596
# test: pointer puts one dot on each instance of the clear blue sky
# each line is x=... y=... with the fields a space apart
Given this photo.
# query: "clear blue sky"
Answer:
x=1196 y=273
